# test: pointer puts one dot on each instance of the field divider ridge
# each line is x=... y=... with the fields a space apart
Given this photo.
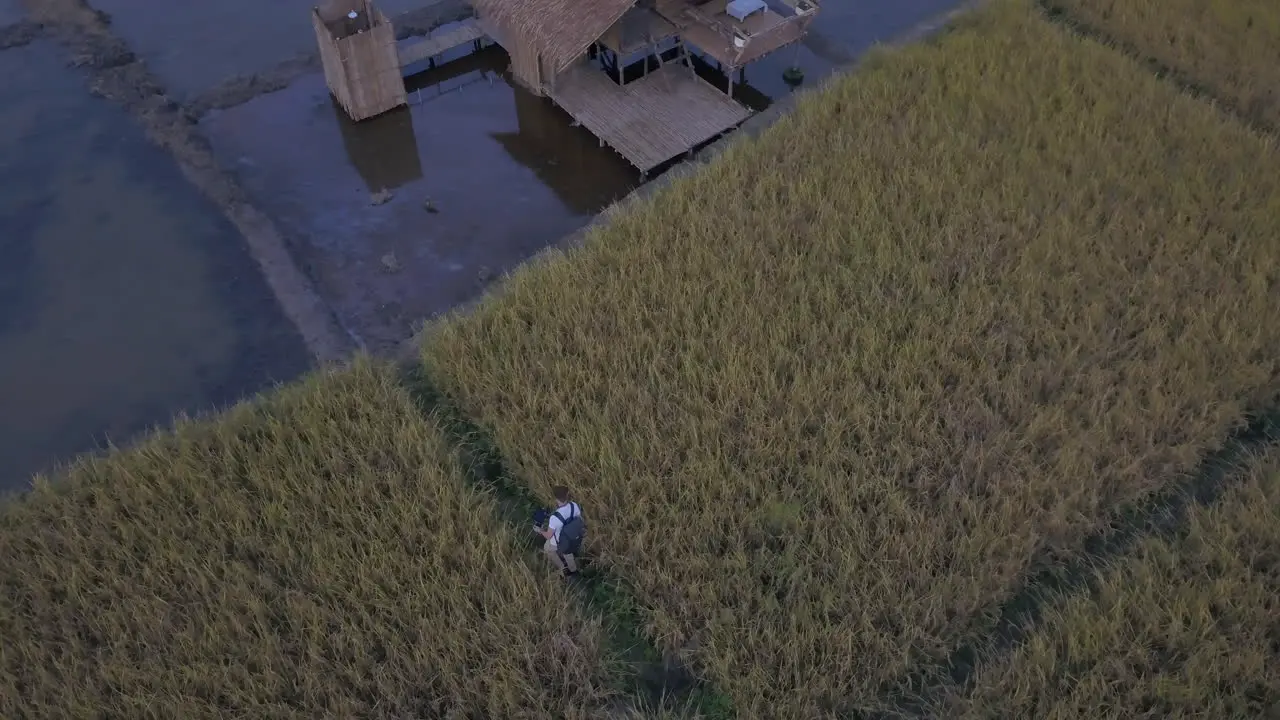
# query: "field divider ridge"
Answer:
x=1161 y=515
x=19 y=34
x=1063 y=17
x=661 y=683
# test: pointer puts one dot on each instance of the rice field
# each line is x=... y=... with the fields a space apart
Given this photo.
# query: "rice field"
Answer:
x=1231 y=48
x=312 y=554
x=828 y=403
x=1182 y=628
x=831 y=399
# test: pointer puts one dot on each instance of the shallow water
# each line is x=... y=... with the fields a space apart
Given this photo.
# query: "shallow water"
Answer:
x=125 y=297
x=857 y=25
x=478 y=177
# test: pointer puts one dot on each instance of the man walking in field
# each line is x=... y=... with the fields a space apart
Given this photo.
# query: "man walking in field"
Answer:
x=564 y=532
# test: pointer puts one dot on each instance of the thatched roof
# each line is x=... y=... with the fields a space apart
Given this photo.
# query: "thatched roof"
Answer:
x=558 y=29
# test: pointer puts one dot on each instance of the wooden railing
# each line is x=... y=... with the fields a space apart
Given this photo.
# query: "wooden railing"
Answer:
x=800 y=20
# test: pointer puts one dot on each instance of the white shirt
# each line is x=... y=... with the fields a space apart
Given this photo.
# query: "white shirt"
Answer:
x=567 y=511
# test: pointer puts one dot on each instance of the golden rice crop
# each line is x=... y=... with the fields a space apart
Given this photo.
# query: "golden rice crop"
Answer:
x=313 y=554
x=829 y=400
x=1231 y=48
x=1182 y=628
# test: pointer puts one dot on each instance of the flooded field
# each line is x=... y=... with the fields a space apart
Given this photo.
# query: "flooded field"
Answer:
x=407 y=215
x=124 y=297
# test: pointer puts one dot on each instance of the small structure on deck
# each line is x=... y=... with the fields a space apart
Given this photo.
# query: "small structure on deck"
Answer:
x=358 y=51
x=648 y=120
x=736 y=33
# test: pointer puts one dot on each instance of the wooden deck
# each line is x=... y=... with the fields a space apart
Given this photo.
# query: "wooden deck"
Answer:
x=651 y=120
x=468 y=31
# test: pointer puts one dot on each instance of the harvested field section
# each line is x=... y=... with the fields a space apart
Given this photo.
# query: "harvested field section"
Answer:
x=1182 y=628
x=831 y=399
x=315 y=554
x=1230 y=48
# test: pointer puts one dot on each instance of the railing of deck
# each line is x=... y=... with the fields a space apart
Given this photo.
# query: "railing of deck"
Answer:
x=804 y=13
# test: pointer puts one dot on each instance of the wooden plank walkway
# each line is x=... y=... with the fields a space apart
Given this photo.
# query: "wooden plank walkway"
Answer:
x=468 y=31
x=651 y=120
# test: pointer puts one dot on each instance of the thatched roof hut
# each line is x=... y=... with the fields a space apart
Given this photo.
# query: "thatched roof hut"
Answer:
x=544 y=37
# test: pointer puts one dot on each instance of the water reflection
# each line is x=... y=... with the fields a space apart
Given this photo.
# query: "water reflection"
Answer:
x=125 y=298
x=383 y=150
x=568 y=159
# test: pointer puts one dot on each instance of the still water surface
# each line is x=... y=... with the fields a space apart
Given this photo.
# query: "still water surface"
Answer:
x=125 y=297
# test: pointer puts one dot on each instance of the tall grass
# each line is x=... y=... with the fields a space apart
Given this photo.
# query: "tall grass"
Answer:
x=313 y=554
x=1231 y=48
x=1181 y=628
x=831 y=399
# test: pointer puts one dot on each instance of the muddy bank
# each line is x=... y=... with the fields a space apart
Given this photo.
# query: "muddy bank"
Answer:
x=115 y=73
x=18 y=34
x=240 y=89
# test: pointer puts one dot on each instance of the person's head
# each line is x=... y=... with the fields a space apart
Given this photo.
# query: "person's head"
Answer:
x=561 y=494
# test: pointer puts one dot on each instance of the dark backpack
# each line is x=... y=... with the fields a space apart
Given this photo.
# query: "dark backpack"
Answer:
x=572 y=530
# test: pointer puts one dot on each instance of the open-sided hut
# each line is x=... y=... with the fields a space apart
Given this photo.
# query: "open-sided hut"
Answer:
x=648 y=121
x=736 y=33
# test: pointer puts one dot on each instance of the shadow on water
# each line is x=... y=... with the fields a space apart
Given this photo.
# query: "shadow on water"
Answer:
x=125 y=297
x=566 y=159
x=384 y=150
x=410 y=214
